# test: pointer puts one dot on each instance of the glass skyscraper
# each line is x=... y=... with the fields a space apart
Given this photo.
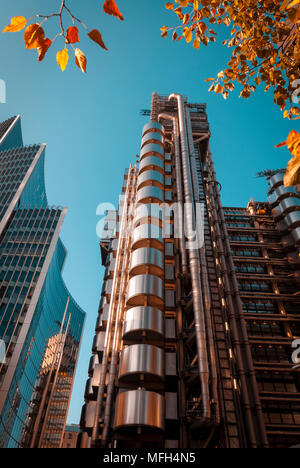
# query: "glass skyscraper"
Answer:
x=35 y=306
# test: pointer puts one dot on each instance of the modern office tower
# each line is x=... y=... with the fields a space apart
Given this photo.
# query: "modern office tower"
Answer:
x=40 y=324
x=200 y=304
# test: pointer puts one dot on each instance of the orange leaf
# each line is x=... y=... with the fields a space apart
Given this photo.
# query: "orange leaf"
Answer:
x=95 y=35
x=34 y=36
x=72 y=35
x=43 y=48
x=110 y=7
x=62 y=58
x=80 y=60
x=17 y=23
x=284 y=143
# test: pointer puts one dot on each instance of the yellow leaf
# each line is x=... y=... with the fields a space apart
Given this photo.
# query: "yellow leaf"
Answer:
x=292 y=175
x=188 y=34
x=62 y=58
x=17 y=23
x=169 y=6
x=294 y=3
x=80 y=60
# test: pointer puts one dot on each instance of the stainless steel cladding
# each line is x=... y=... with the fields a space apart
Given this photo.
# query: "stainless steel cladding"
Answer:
x=150 y=178
x=152 y=162
x=292 y=219
x=140 y=408
x=283 y=192
x=146 y=234
x=154 y=126
x=150 y=194
x=144 y=322
x=153 y=137
x=276 y=179
x=152 y=149
x=148 y=213
x=296 y=235
x=144 y=359
x=147 y=260
x=143 y=288
x=289 y=204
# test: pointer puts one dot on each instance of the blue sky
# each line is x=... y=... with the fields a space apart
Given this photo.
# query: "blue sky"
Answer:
x=92 y=126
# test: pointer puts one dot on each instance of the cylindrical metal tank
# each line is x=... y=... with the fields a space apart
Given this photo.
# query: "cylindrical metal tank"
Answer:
x=143 y=322
x=151 y=162
x=153 y=137
x=152 y=149
x=292 y=219
x=143 y=359
x=153 y=126
x=139 y=408
x=289 y=204
x=145 y=290
x=150 y=178
x=147 y=235
x=150 y=194
x=276 y=180
x=296 y=235
x=283 y=192
x=148 y=213
x=146 y=257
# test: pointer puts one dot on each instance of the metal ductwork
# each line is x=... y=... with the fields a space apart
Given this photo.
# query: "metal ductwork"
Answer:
x=194 y=262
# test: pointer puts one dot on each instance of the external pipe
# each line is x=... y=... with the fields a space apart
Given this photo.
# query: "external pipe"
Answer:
x=111 y=316
x=204 y=278
x=194 y=263
x=118 y=325
x=178 y=188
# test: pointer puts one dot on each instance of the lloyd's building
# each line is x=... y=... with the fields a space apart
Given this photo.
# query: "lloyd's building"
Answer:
x=40 y=324
x=198 y=320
